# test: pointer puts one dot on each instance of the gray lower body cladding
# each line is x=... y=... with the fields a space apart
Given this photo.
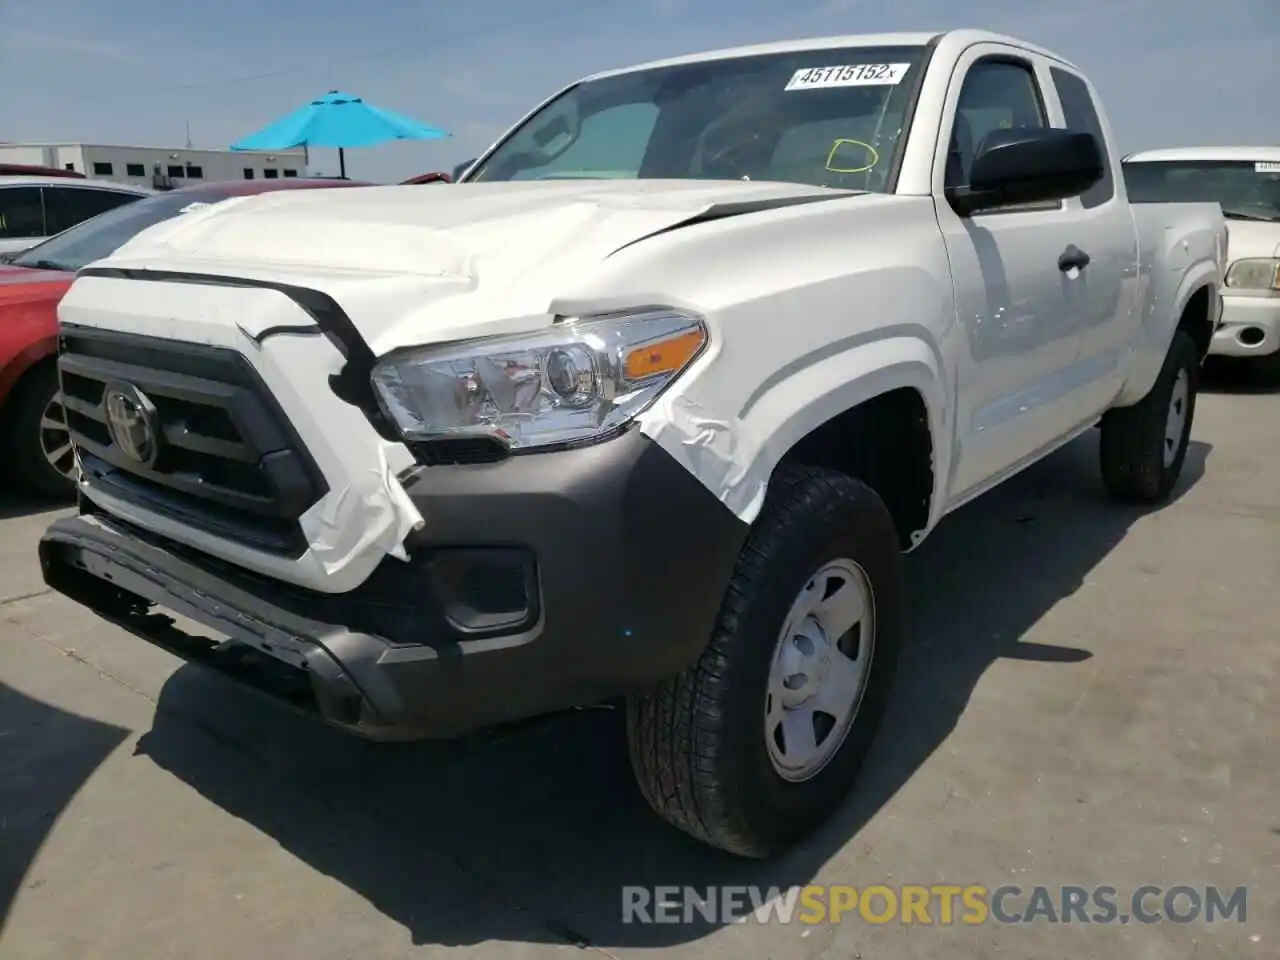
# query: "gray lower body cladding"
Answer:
x=537 y=583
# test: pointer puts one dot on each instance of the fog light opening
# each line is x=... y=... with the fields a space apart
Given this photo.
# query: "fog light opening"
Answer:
x=1251 y=336
x=485 y=589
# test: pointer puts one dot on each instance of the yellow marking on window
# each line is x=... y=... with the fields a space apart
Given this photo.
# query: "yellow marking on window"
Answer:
x=835 y=147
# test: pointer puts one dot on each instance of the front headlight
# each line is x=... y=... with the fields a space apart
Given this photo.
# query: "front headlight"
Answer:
x=1256 y=274
x=578 y=380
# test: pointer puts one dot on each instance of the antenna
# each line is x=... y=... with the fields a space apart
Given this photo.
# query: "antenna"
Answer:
x=188 y=134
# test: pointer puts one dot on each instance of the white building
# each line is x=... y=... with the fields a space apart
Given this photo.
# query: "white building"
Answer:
x=158 y=167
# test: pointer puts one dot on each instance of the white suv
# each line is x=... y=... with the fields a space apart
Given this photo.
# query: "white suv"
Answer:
x=33 y=209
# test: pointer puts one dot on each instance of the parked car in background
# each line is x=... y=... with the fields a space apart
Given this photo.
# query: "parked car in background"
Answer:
x=535 y=441
x=1245 y=181
x=435 y=177
x=35 y=449
x=33 y=209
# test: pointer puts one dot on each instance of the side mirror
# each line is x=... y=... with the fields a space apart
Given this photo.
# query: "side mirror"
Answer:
x=1013 y=167
x=461 y=168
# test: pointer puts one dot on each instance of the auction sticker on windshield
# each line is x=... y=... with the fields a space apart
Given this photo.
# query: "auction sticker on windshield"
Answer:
x=848 y=75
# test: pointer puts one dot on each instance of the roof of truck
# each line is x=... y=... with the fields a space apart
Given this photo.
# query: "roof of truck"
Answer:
x=964 y=37
x=1255 y=154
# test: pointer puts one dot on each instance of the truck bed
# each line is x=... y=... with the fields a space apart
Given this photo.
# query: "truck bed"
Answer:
x=1171 y=236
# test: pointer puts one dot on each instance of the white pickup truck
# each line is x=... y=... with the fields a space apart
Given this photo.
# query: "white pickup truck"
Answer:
x=650 y=404
x=1245 y=182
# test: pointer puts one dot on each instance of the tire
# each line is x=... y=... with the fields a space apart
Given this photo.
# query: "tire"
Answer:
x=1144 y=446
x=31 y=408
x=700 y=743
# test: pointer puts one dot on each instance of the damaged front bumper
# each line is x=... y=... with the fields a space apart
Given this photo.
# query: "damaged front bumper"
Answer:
x=537 y=583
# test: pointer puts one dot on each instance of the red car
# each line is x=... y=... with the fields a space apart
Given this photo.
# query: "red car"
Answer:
x=436 y=177
x=35 y=447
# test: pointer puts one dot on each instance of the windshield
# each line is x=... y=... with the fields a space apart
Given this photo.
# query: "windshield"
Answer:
x=99 y=237
x=1245 y=189
x=827 y=118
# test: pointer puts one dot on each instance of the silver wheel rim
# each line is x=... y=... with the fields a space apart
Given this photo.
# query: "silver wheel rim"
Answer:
x=1175 y=421
x=55 y=438
x=819 y=672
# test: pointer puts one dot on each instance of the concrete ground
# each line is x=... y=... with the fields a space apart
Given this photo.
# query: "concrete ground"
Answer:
x=1089 y=699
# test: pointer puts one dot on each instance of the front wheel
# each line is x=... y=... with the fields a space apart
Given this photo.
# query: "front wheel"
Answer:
x=761 y=740
x=1144 y=446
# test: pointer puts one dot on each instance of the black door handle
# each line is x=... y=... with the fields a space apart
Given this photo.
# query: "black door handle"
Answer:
x=1073 y=258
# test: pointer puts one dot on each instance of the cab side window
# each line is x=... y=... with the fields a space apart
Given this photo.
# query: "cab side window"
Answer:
x=67 y=206
x=21 y=213
x=996 y=95
x=1082 y=117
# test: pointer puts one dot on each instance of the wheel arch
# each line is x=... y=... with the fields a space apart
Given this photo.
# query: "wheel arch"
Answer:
x=1199 y=318
x=23 y=364
x=841 y=412
x=887 y=443
x=1197 y=307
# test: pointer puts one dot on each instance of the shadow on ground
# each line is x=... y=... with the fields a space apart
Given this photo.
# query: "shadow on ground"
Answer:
x=20 y=505
x=46 y=755
x=529 y=835
x=1229 y=375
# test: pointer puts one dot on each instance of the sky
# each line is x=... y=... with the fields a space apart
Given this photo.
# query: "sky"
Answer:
x=1170 y=72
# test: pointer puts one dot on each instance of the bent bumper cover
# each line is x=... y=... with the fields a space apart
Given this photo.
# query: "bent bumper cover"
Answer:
x=627 y=560
x=110 y=568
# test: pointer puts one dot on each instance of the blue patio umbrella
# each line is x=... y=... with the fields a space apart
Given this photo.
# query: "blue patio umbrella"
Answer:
x=338 y=120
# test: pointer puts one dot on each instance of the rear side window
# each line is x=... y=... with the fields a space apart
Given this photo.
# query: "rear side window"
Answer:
x=67 y=206
x=1082 y=117
x=21 y=213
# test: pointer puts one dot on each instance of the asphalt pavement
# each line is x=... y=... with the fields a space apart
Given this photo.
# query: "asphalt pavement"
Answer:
x=1089 y=699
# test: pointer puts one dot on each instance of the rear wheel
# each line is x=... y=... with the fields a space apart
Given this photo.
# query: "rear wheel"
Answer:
x=37 y=444
x=1144 y=446
x=761 y=740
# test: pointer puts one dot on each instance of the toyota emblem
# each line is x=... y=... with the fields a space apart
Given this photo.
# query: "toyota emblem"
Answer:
x=131 y=421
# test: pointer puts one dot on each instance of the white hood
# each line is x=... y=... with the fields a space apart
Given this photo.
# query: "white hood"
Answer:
x=1252 y=238
x=474 y=254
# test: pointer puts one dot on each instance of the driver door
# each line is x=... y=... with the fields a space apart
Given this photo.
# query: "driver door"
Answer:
x=1018 y=339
